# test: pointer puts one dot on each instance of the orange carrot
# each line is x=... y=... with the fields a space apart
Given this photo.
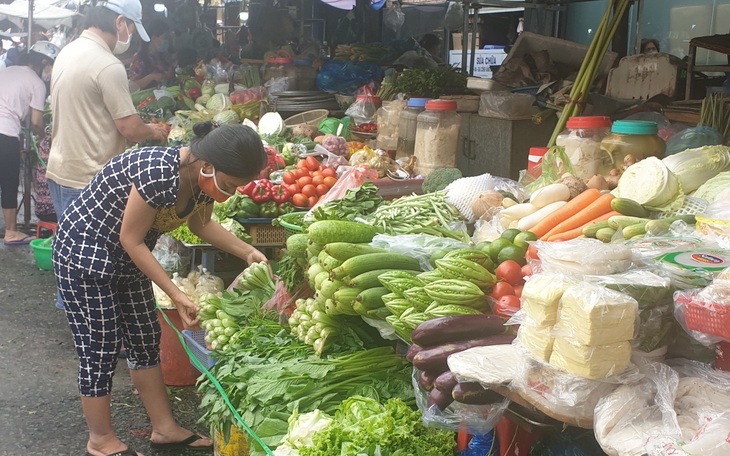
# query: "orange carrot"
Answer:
x=571 y=208
x=597 y=208
x=576 y=232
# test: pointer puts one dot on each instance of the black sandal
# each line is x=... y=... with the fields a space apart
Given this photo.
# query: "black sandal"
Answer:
x=127 y=452
x=182 y=445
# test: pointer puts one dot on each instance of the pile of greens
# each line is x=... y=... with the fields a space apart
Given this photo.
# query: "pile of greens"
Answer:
x=270 y=374
x=431 y=82
x=183 y=234
x=364 y=426
x=290 y=273
x=356 y=202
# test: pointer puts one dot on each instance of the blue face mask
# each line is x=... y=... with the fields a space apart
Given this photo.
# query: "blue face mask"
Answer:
x=163 y=46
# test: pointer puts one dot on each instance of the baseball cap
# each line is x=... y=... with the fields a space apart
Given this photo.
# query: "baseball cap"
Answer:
x=132 y=10
x=46 y=48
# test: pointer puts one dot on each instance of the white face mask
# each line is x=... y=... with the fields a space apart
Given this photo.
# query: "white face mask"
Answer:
x=122 y=46
x=46 y=74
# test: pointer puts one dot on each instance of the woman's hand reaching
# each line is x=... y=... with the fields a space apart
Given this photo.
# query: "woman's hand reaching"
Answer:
x=188 y=311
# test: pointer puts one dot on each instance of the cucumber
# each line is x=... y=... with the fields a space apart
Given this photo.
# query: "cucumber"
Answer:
x=605 y=234
x=661 y=226
x=372 y=298
x=367 y=279
x=328 y=231
x=592 y=229
x=629 y=207
x=638 y=229
x=364 y=263
x=346 y=250
x=619 y=222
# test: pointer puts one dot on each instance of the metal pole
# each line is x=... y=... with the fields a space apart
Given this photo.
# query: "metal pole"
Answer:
x=28 y=159
x=464 y=32
x=639 y=9
x=473 y=34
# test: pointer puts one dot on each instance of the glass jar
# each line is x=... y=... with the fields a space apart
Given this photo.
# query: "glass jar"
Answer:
x=437 y=136
x=582 y=143
x=630 y=141
x=388 y=117
x=280 y=65
x=306 y=75
x=407 y=124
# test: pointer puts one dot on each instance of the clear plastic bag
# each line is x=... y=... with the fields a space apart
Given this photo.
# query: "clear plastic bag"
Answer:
x=476 y=419
x=584 y=257
x=489 y=366
x=172 y=255
x=420 y=246
x=353 y=177
x=505 y=105
x=689 y=138
x=394 y=17
x=704 y=313
x=208 y=283
x=364 y=107
x=454 y=18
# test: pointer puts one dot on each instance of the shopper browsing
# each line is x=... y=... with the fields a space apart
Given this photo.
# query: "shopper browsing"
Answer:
x=105 y=268
x=151 y=64
x=23 y=93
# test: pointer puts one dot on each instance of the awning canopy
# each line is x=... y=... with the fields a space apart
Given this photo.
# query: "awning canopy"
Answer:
x=341 y=4
x=45 y=13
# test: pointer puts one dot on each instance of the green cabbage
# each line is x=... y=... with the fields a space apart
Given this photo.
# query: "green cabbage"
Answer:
x=713 y=187
x=694 y=167
x=651 y=184
x=227 y=116
x=218 y=102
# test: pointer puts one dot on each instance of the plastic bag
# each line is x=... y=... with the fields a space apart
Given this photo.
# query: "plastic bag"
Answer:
x=693 y=137
x=345 y=77
x=334 y=126
x=172 y=255
x=364 y=108
x=579 y=257
x=386 y=331
x=209 y=283
x=665 y=128
x=352 y=178
x=505 y=105
x=454 y=18
x=476 y=419
x=394 y=17
x=489 y=366
x=554 y=165
x=704 y=313
x=419 y=246
x=713 y=437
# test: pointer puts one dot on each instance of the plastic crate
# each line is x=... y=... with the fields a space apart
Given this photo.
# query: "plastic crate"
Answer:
x=196 y=343
x=263 y=233
x=290 y=228
x=706 y=317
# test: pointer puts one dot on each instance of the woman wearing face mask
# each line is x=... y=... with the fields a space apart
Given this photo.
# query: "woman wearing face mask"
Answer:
x=105 y=268
x=23 y=93
x=151 y=64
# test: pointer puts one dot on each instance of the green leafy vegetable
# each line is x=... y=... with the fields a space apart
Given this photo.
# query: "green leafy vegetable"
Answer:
x=290 y=272
x=183 y=234
x=356 y=202
x=431 y=82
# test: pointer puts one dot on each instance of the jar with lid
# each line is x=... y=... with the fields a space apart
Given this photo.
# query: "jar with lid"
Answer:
x=582 y=143
x=280 y=66
x=437 y=136
x=407 y=124
x=306 y=75
x=387 y=118
x=630 y=141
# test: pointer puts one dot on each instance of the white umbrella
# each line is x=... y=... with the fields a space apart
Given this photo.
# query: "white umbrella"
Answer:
x=45 y=13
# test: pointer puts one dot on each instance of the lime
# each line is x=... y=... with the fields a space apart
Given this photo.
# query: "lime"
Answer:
x=510 y=234
x=496 y=246
x=512 y=252
x=483 y=246
x=522 y=239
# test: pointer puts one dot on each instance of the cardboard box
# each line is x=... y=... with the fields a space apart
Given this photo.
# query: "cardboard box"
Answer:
x=456 y=37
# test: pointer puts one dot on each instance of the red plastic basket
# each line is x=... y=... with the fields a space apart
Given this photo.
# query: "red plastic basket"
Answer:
x=706 y=317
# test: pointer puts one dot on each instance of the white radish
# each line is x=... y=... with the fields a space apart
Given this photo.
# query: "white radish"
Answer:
x=526 y=223
x=518 y=211
x=550 y=194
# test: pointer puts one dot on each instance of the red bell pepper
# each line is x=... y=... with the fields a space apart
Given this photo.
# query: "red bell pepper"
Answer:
x=247 y=189
x=280 y=194
x=262 y=192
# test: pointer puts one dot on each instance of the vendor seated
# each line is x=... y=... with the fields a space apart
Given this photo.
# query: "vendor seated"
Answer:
x=151 y=64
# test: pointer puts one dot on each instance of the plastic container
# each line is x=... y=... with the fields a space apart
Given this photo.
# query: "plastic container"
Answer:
x=42 y=254
x=582 y=142
x=280 y=65
x=174 y=361
x=637 y=138
x=437 y=136
x=306 y=75
x=407 y=124
x=388 y=118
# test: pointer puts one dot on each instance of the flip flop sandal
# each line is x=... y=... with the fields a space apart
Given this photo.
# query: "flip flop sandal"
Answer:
x=22 y=241
x=182 y=445
x=127 y=452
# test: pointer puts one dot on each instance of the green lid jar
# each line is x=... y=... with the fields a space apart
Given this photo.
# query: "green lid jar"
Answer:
x=630 y=141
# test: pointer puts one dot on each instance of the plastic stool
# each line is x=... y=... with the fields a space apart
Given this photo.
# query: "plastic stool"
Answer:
x=48 y=225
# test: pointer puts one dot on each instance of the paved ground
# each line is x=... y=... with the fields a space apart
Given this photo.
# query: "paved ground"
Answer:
x=40 y=413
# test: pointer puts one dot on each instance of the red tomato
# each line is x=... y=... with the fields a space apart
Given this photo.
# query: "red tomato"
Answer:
x=299 y=200
x=510 y=271
x=321 y=168
x=301 y=172
x=532 y=253
x=329 y=172
x=506 y=306
x=526 y=270
x=329 y=181
x=322 y=189
x=312 y=200
x=312 y=163
x=316 y=180
x=289 y=177
x=501 y=289
x=304 y=180
x=302 y=164
x=518 y=290
x=309 y=190
x=293 y=188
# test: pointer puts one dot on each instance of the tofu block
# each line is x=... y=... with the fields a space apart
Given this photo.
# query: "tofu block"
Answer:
x=541 y=296
x=590 y=361
x=537 y=339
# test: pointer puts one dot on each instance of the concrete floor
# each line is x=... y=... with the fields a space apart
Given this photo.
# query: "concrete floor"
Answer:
x=40 y=412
